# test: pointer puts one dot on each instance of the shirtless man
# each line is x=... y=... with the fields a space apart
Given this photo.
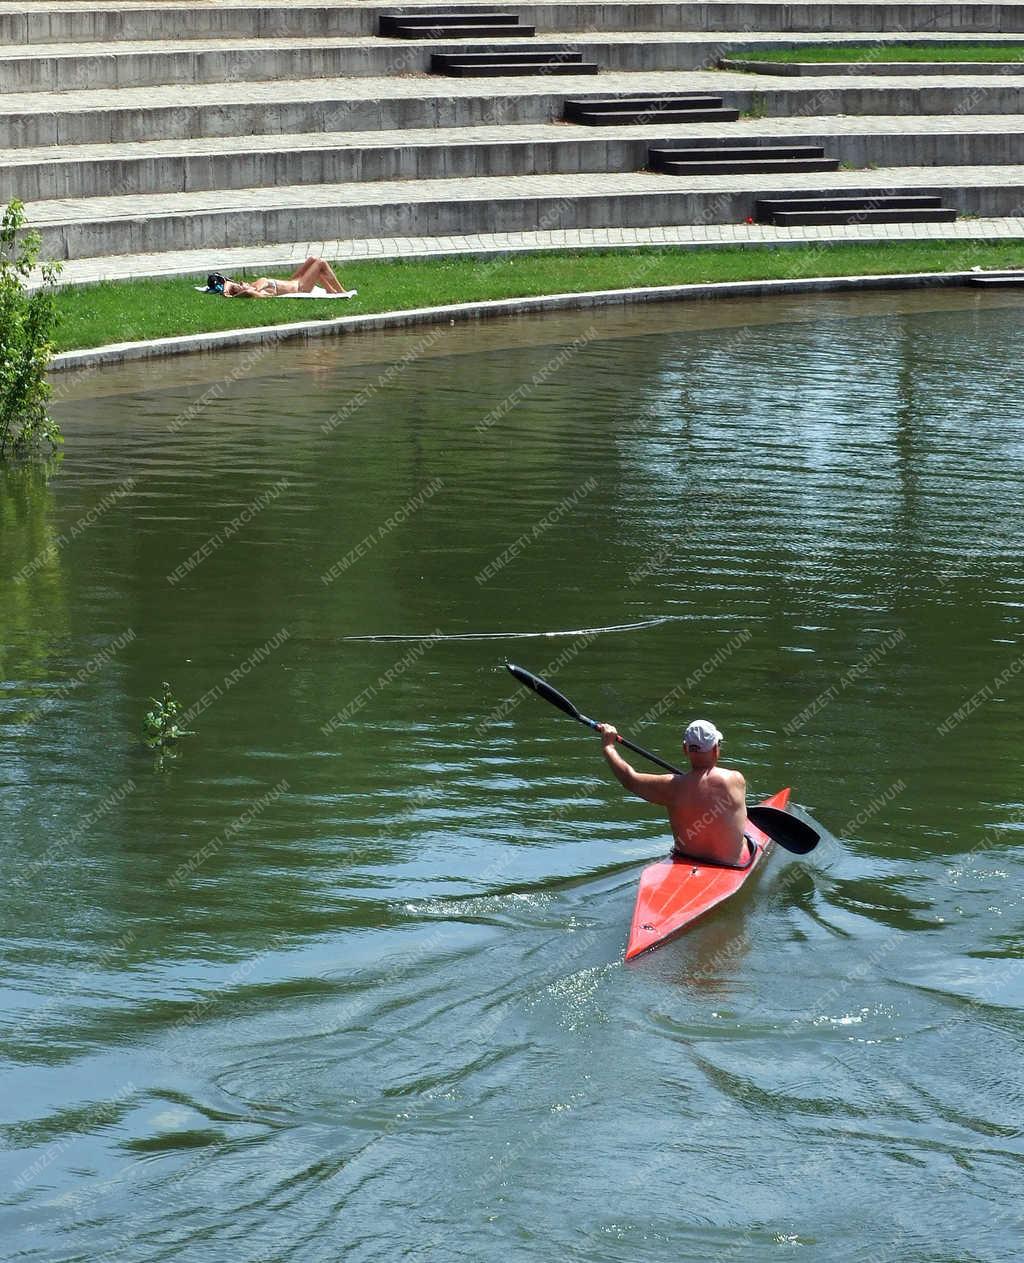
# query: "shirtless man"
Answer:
x=706 y=806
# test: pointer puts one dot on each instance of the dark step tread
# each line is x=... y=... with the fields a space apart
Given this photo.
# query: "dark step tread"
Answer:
x=742 y=167
x=451 y=18
x=717 y=115
x=668 y=102
x=503 y=55
x=715 y=153
x=460 y=32
x=862 y=201
x=496 y=71
x=936 y=215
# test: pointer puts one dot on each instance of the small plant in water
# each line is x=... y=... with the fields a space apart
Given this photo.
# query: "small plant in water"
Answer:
x=160 y=725
x=27 y=321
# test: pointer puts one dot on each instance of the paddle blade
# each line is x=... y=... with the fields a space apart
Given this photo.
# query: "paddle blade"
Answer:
x=543 y=689
x=787 y=831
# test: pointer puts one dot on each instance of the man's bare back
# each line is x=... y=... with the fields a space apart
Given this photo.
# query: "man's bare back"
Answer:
x=708 y=813
x=706 y=806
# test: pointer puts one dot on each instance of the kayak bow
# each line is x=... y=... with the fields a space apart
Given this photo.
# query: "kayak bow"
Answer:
x=674 y=893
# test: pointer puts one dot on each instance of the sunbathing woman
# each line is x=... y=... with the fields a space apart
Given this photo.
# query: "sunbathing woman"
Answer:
x=305 y=277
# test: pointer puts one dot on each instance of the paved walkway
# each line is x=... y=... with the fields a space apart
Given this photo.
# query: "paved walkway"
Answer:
x=276 y=258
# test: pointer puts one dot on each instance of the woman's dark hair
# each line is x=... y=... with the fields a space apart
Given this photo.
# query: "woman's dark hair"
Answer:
x=215 y=283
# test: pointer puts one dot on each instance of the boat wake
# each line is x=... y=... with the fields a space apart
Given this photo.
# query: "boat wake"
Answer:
x=524 y=635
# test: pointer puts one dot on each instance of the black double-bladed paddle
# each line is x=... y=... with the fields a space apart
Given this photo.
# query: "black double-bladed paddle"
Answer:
x=787 y=831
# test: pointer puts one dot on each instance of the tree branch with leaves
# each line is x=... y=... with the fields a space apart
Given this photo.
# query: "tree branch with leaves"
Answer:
x=28 y=317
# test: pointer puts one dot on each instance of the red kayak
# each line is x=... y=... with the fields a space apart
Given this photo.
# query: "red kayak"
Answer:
x=674 y=893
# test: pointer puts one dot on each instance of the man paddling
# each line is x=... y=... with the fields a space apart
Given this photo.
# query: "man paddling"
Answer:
x=706 y=806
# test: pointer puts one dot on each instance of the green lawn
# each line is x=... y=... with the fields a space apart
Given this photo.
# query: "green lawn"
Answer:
x=885 y=52
x=132 y=311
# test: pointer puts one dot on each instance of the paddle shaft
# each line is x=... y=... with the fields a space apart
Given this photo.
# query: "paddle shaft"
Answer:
x=630 y=745
x=543 y=689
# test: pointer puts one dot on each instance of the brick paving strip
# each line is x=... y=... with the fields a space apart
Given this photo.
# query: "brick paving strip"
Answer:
x=256 y=259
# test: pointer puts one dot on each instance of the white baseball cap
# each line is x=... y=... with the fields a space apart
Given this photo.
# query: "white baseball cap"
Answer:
x=702 y=735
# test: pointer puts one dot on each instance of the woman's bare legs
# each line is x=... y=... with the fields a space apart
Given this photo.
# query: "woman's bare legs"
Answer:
x=329 y=280
x=304 y=267
x=317 y=272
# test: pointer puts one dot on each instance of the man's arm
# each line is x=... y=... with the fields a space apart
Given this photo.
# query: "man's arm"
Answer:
x=653 y=789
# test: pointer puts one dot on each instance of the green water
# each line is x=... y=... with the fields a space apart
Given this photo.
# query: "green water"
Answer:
x=344 y=978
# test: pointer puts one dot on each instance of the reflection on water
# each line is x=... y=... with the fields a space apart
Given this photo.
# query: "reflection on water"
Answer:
x=346 y=975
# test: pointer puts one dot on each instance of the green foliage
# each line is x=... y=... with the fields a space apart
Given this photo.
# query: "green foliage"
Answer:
x=160 y=725
x=27 y=323
x=882 y=52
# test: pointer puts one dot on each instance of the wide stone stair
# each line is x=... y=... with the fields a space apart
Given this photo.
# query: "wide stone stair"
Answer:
x=155 y=128
x=453 y=24
x=617 y=111
x=808 y=208
x=495 y=63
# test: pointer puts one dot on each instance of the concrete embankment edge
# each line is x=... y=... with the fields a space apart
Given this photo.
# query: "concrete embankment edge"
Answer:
x=268 y=335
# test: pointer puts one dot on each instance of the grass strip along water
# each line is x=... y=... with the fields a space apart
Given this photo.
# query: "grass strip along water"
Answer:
x=136 y=311
x=885 y=52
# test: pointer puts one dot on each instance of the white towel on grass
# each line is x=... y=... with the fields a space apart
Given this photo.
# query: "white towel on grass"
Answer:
x=315 y=292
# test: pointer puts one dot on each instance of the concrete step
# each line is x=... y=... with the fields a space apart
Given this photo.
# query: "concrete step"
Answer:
x=85 y=171
x=73 y=67
x=108 y=226
x=736 y=166
x=195 y=165
x=107 y=21
x=188 y=110
x=131 y=225
x=397 y=103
